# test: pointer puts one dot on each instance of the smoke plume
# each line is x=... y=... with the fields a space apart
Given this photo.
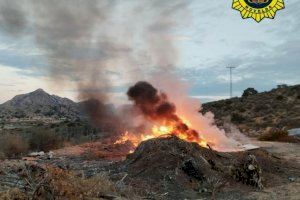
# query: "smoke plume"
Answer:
x=97 y=44
x=155 y=106
x=188 y=108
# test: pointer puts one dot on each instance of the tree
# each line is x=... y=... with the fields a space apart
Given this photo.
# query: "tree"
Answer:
x=249 y=92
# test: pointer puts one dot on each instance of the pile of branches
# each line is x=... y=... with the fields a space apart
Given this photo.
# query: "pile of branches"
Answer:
x=39 y=182
x=175 y=168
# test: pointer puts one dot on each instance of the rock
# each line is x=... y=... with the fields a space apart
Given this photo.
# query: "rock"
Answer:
x=251 y=167
x=292 y=179
x=36 y=154
x=50 y=154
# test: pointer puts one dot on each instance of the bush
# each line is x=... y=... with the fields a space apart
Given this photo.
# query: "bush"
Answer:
x=249 y=92
x=261 y=107
x=238 y=118
x=280 y=97
x=274 y=135
x=44 y=140
x=13 y=146
x=228 y=102
x=2 y=156
x=241 y=109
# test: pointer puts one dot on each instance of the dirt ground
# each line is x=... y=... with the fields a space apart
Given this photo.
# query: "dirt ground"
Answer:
x=279 y=163
x=290 y=190
x=283 y=184
x=289 y=151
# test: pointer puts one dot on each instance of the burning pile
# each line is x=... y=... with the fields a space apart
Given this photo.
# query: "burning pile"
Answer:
x=171 y=168
x=176 y=169
x=157 y=109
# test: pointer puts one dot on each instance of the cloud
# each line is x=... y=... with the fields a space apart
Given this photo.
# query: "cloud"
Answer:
x=156 y=33
x=265 y=54
x=12 y=17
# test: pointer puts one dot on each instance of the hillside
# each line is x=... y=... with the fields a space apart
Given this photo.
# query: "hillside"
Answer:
x=254 y=114
x=39 y=104
x=278 y=108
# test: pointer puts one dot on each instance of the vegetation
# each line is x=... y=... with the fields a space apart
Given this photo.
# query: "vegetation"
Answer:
x=236 y=117
x=20 y=137
x=54 y=183
x=274 y=135
x=279 y=135
x=249 y=92
x=254 y=112
x=44 y=140
x=12 y=146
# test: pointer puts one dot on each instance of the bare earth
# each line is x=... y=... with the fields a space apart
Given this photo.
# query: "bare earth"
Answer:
x=291 y=190
x=76 y=158
x=288 y=151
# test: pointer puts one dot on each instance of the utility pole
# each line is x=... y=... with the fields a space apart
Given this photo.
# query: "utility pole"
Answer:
x=230 y=69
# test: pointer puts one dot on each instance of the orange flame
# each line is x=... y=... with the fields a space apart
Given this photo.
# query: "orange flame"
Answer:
x=162 y=130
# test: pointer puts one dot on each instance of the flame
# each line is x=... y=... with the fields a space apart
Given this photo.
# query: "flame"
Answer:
x=162 y=130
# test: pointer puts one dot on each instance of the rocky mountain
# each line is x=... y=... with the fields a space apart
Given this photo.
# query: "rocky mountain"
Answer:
x=39 y=104
x=255 y=113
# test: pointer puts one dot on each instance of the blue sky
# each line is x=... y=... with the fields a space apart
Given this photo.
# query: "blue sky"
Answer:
x=207 y=37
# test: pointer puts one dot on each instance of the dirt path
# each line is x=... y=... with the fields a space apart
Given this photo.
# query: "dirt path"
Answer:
x=288 y=151
x=291 y=190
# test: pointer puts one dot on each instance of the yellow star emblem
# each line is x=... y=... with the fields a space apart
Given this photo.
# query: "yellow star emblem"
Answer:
x=258 y=9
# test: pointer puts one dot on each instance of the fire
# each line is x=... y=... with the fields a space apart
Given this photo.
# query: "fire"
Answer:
x=157 y=116
x=179 y=117
x=183 y=132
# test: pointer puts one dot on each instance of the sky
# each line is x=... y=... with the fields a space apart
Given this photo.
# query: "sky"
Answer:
x=204 y=37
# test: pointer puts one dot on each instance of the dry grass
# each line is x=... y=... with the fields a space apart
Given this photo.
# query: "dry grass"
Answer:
x=54 y=183
x=15 y=194
x=12 y=146
x=67 y=185
x=2 y=156
x=44 y=140
x=15 y=146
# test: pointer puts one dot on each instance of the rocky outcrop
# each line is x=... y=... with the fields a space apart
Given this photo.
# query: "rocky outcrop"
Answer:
x=39 y=104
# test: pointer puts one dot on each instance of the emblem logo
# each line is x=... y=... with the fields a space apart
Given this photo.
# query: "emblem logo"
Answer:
x=258 y=9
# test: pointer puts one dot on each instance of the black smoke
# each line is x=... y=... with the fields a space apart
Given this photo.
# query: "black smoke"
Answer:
x=153 y=104
x=86 y=41
x=156 y=107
